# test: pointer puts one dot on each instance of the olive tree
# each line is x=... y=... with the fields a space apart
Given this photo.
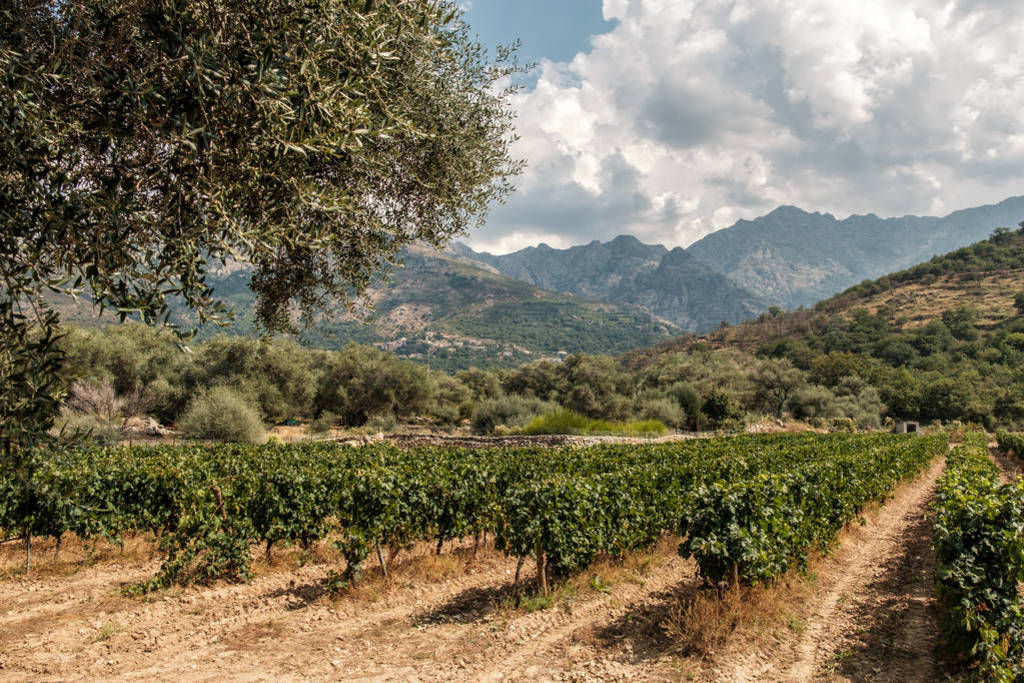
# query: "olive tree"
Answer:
x=142 y=144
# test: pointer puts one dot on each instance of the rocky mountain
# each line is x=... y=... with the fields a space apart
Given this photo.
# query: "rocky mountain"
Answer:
x=693 y=296
x=460 y=307
x=792 y=257
x=985 y=278
x=671 y=284
x=598 y=269
x=451 y=311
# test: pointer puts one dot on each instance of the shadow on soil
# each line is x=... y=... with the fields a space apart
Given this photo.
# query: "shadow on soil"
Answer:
x=475 y=604
x=639 y=631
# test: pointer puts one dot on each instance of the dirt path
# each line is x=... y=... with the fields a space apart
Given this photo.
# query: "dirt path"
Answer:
x=871 y=614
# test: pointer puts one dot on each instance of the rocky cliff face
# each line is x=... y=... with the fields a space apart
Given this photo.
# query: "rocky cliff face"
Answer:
x=672 y=285
x=685 y=291
x=594 y=270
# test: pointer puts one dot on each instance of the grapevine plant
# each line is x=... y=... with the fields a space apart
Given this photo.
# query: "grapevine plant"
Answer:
x=748 y=507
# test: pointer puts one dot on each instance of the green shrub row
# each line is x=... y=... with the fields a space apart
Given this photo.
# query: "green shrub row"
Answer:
x=979 y=545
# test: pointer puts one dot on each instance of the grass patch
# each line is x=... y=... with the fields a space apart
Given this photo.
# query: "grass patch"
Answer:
x=570 y=422
x=107 y=631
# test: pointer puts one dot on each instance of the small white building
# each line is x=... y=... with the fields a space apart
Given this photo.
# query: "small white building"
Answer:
x=907 y=427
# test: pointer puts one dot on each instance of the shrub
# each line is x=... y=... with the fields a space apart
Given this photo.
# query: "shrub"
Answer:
x=569 y=422
x=510 y=411
x=842 y=424
x=94 y=429
x=664 y=410
x=220 y=414
x=359 y=382
x=688 y=399
x=721 y=410
x=382 y=422
x=813 y=401
x=323 y=423
x=564 y=421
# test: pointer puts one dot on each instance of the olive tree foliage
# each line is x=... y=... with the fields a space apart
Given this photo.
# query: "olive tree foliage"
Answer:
x=142 y=144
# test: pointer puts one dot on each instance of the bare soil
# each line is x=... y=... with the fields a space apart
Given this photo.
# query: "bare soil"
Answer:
x=439 y=618
x=871 y=613
x=868 y=615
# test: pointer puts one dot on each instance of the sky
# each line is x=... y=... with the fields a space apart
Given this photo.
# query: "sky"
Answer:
x=669 y=119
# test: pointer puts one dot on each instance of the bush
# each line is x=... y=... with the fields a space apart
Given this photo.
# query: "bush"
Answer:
x=510 y=411
x=359 y=382
x=688 y=399
x=569 y=422
x=813 y=401
x=382 y=422
x=220 y=414
x=93 y=429
x=664 y=410
x=324 y=423
x=721 y=410
x=842 y=424
x=564 y=421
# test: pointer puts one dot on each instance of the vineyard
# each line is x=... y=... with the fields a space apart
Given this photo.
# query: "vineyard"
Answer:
x=206 y=552
x=749 y=508
x=979 y=540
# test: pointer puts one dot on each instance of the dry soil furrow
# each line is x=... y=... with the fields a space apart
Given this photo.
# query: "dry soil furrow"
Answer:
x=1010 y=466
x=597 y=640
x=201 y=629
x=885 y=563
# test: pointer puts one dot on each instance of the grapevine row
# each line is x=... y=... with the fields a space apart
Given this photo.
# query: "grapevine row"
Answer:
x=749 y=507
x=979 y=544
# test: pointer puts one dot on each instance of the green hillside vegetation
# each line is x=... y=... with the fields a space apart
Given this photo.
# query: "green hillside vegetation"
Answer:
x=552 y=326
x=924 y=360
x=852 y=362
x=1003 y=251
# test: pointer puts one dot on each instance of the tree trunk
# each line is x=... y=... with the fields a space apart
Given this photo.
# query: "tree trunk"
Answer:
x=519 y=567
x=28 y=552
x=542 y=578
x=380 y=558
x=393 y=555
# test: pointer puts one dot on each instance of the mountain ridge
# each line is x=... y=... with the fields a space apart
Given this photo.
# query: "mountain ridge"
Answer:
x=672 y=284
x=789 y=257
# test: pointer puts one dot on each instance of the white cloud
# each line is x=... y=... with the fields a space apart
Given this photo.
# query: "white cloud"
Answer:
x=690 y=115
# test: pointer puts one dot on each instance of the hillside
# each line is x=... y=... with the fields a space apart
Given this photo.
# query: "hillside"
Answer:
x=453 y=313
x=795 y=258
x=671 y=284
x=985 y=277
